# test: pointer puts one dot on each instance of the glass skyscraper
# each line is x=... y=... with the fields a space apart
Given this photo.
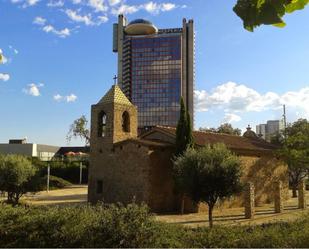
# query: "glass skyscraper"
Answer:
x=155 y=68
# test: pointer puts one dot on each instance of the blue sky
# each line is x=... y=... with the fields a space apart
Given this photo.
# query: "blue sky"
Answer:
x=59 y=61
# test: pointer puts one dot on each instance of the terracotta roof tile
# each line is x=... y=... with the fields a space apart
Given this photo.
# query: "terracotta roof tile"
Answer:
x=231 y=141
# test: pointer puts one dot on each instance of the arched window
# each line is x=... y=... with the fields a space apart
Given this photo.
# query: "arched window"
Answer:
x=125 y=122
x=102 y=124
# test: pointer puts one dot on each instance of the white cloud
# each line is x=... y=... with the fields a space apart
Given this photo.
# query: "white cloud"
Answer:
x=102 y=19
x=114 y=2
x=76 y=1
x=98 y=5
x=125 y=9
x=69 y=98
x=32 y=2
x=25 y=3
x=33 y=89
x=151 y=7
x=235 y=98
x=168 y=6
x=156 y=8
x=53 y=4
x=4 y=76
x=231 y=117
x=61 y=33
x=58 y=97
x=74 y=16
x=39 y=21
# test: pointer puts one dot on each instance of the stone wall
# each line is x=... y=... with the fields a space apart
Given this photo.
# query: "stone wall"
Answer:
x=124 y=171
x=263 y=172
x=162 y=195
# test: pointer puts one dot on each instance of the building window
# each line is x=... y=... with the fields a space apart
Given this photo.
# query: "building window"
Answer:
x=102 y=124
x=99 y=186
x=125 y=122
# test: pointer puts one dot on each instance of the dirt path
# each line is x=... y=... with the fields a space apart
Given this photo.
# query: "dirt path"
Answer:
x=76 y=194
x=236 y=216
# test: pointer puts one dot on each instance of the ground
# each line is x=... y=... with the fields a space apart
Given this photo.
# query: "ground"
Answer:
x=77 y=194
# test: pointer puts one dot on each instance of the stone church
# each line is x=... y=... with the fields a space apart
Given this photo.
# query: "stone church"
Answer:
x=126 y=167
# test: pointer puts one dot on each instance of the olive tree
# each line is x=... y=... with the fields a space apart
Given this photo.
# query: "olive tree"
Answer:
x=17 y=177
x=295 y=152
x=209 y=174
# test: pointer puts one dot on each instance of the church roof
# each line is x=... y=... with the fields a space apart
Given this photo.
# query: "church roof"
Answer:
x=233 y=142
x=115 y=95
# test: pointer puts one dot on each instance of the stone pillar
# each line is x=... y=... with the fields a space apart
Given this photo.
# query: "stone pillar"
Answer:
x=278 y=197
x=249 y=201
x=302 y=195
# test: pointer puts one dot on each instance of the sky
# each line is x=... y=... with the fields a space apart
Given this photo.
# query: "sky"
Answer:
x=58 y=61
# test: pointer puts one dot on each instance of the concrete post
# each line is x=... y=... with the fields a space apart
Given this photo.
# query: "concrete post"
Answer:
x=302 y=195
x=249 y=201
x=278 y=197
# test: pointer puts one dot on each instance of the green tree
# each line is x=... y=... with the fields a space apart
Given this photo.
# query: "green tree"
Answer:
x=225 y=128
x=208 y=174
x=184 y=138
x=17 y=177
x=257 y=12
x=295 y=152
x=79 y=129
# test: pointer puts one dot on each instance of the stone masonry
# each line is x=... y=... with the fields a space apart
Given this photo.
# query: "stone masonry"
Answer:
x=249 y=201
x=278 y=199
x=302 y=195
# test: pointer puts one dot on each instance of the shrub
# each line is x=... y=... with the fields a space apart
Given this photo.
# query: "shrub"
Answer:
x=133 y=226
x=17 y=176
x=54 y=183
x=67 y=170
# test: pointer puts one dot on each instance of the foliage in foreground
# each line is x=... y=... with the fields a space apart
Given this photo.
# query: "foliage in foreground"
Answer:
x=133 y=226
x=257 y=12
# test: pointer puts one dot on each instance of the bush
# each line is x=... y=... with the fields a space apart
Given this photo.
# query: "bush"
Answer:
x=17 y=177
x=67 y=170
x=54 y=183
x=99 y=226
x=133 y=226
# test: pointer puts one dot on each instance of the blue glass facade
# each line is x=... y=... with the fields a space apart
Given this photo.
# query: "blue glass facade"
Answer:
x=155 y=78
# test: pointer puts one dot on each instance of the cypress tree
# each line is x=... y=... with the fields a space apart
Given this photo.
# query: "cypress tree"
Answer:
x=189 y=136
x=181 y=130
x=184 y=138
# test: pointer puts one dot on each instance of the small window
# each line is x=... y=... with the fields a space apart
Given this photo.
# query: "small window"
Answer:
x=102 y=124
x=99 y=186
x=125 y=122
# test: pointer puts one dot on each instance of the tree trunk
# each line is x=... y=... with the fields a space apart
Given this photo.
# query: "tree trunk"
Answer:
x=182 y=207
x=210 y=208
x=294 y=191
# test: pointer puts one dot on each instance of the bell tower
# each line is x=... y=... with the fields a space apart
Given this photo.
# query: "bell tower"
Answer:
x=113 y=119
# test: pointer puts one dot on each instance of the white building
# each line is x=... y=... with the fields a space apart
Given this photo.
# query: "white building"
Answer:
x=21 y=147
